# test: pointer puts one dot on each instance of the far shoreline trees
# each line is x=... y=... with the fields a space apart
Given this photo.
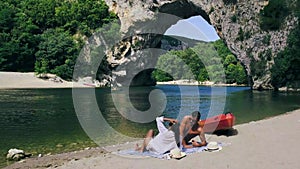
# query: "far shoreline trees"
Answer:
x=203 y=62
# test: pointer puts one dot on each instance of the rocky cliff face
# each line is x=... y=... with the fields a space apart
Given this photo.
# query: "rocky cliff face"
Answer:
x=236 y=21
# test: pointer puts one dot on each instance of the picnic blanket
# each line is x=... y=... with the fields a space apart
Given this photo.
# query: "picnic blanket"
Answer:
x=132 y=152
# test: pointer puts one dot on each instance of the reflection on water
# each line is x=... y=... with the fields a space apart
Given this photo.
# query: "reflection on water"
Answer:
x=44 y=120
x=38 y=121
x=255 y=105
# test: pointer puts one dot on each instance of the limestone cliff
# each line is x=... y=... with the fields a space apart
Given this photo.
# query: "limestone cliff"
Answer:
x=231 y=19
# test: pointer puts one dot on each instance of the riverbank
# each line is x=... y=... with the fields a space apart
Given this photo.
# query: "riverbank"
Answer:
x=16 y=80
x=269 y=143
x=195 y=83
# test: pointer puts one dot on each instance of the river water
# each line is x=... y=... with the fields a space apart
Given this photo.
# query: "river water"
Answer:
x=45 y=121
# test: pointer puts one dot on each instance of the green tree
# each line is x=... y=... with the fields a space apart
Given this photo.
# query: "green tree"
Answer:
x=241 y=76
x=19 y=47
x=203 y=75
x=7 y=14
x=286 y=71
x=84 y=16
x=165 y=67
x=230 y=59
x=274 y=14
x=207 y=61
x=26 y=27
x=231 y=73
x=57 y=53
x=40 y=12
x=222 y=49
x=211 y=60
x=190 y=58
x=171 y=67
x=236 y=74
x=161 y=76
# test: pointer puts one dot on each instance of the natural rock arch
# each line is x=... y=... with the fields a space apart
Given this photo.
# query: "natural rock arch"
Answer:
x=231 y=19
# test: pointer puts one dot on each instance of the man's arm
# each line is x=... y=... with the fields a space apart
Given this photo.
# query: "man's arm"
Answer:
x=185 y=145
x=195 y=143
x=202 y=138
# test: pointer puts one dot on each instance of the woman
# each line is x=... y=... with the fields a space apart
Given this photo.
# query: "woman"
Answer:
x=165 y=140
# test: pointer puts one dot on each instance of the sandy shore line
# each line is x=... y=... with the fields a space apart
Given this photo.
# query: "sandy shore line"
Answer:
x=270 y=143
x=16 y=80
x=195 y=83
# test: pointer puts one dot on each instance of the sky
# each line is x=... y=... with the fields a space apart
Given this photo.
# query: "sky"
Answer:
x=194 y=28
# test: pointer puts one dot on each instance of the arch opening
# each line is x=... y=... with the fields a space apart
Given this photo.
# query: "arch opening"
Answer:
x=138 y=39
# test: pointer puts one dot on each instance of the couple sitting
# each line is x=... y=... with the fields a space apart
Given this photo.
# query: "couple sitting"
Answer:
x=167 y=139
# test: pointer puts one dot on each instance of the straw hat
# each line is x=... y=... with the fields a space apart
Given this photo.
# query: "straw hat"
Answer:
x=213 y=146
x=177 y=154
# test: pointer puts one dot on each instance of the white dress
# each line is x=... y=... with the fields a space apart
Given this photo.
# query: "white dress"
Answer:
x=164 y=141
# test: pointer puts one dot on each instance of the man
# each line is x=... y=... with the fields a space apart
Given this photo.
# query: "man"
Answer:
x=164 y=141
x=190 y=128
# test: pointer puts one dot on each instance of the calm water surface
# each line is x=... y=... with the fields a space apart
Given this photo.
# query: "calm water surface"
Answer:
x=44 y=120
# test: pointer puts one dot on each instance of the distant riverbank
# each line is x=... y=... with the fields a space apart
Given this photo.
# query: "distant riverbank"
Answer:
x=17 y=80
x=209 y=83
x=196 y=83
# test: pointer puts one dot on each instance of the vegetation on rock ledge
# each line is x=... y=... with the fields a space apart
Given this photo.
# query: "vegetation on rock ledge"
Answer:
x=286 y=70
x=274 y=14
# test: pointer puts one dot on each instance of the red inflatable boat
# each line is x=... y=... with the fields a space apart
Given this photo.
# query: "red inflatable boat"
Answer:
x=219 y=122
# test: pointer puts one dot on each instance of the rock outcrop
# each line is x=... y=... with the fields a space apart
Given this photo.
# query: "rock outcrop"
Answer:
x=231 y=19
x=16 y=154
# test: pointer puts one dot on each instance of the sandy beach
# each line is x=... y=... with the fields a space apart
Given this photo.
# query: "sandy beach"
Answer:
x=270 y=143
x=16 y=80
